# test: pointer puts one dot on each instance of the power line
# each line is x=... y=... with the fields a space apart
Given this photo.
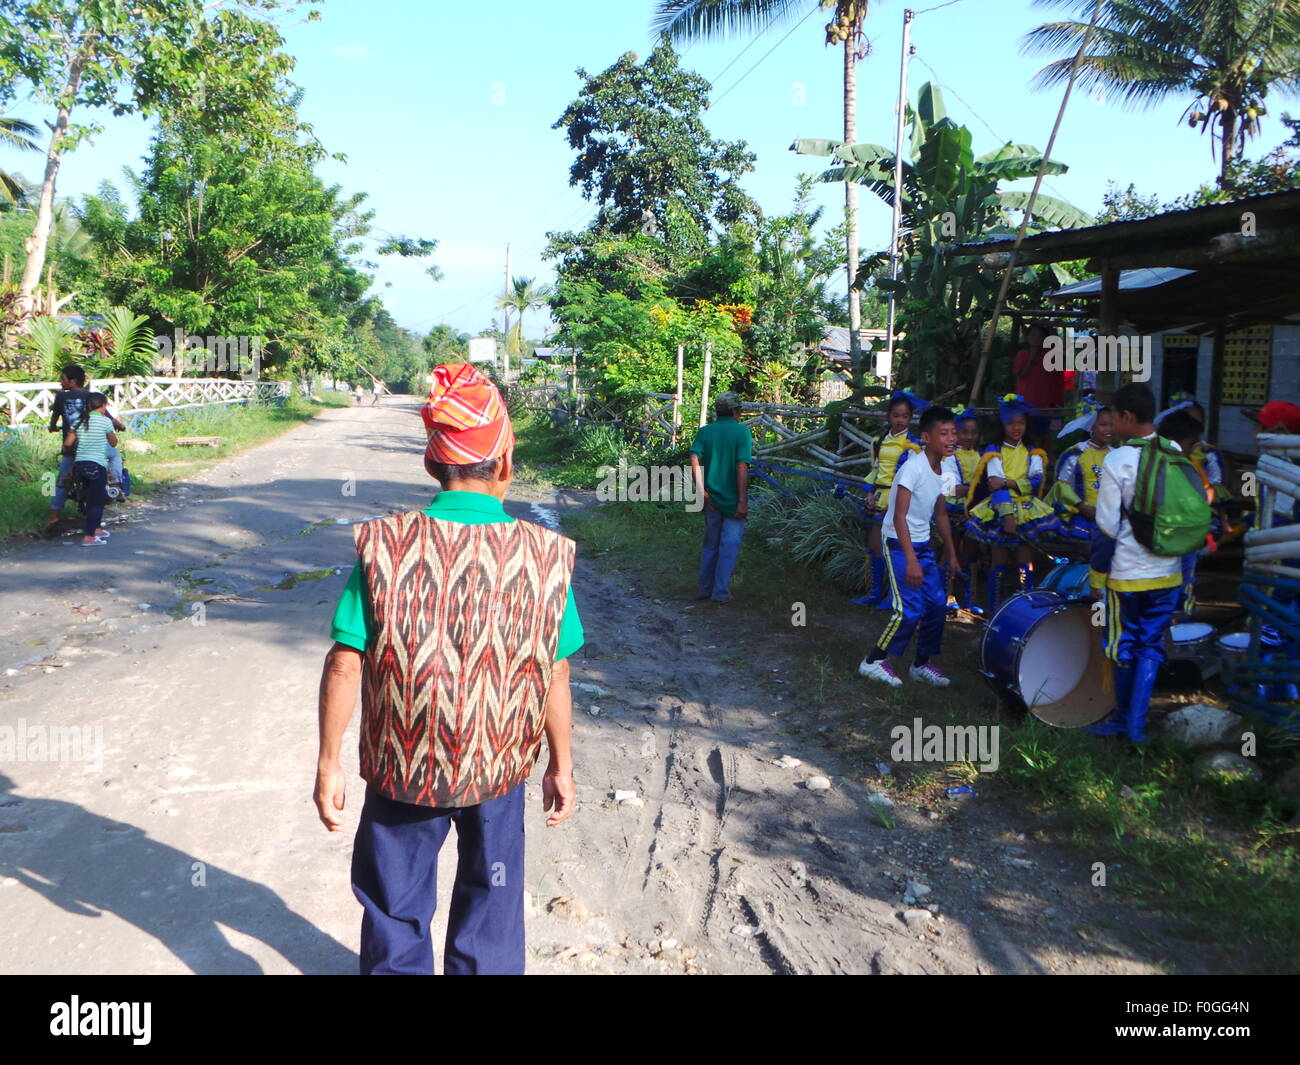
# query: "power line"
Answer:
x=774 y=47
x=967 y=105
x=927 y=10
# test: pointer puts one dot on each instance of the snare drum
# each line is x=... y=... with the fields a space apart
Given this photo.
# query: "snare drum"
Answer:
x=1190 y=639
x=1234 y=649
x=1068 y=578
x=1041 y=651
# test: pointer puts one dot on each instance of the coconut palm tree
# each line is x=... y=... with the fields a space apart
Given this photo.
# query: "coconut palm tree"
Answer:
x=15 y=133
x=1225 y=54
x=523 y=296
x=691 y=20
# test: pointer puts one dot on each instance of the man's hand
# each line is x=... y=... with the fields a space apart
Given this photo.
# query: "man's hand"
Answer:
x=1088 y=512
x=559 y=794
x=330 y=794
x=915 y=575
x=951 y=562
x=1009 y=525
x=708 y=501
x=742 y=509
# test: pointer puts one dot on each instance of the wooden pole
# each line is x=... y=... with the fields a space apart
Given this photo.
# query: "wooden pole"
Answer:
x=677 y=399
x=1029 y=210
x=704 y=392
x=898 y=191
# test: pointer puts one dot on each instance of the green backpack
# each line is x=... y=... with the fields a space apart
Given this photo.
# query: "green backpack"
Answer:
x=1170 y=514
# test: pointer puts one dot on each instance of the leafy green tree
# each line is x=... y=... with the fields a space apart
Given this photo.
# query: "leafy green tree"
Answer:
x=1227 y=55
x=642 y=147
x=1124 y=205
x=146 y=58
x=691 y=20
x=233 y=234
x=444 y=344
x=949 y=197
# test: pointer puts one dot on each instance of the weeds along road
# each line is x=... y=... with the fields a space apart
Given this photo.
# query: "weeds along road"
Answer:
x=182 y=836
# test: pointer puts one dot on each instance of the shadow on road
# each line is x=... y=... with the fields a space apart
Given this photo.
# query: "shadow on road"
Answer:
x=90 y=866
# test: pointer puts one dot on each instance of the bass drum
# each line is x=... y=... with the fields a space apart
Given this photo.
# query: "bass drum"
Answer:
x=1041 y=651
x=1070 y=579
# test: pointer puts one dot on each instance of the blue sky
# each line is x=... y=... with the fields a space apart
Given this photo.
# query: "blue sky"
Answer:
x=444 y=111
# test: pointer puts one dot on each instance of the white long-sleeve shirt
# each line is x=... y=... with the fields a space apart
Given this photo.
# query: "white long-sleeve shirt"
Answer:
x=1132 y=568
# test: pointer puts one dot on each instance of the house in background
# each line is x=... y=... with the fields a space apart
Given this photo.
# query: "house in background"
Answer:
x=1216 y=290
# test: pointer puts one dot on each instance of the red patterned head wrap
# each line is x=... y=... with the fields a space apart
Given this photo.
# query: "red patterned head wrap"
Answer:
x=466 y=419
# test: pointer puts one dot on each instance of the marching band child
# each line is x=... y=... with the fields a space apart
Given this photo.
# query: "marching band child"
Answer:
x=960 y=466
x=1203 y=454
x=1078 y=471
x=1010 y=513
x=916 y=582
x=1142 y=588
x=1183 y=429
x=893 y=447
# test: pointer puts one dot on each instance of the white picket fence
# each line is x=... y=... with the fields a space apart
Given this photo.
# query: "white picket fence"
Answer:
x=31 y=403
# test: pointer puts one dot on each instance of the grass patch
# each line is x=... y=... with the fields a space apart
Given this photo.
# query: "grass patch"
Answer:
x=559 y=456
x=1218 y=856
x=29 y=458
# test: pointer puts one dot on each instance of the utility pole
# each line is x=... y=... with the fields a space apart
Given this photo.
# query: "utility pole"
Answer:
x=894 y=255
x=505 y=318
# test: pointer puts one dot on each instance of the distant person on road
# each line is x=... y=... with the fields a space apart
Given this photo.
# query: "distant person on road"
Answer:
x=357 y=393
x=69 y=404
x=89 y=440
x=720 y=456
x=376 y=390
x=457 y=623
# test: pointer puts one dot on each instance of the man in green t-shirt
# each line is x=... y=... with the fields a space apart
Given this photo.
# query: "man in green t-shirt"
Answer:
x=720 y=457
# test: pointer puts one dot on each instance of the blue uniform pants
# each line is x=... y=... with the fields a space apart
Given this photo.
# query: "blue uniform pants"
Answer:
x=722 y=537
x=395 y=878
x=1136 y=623
x=925 y=606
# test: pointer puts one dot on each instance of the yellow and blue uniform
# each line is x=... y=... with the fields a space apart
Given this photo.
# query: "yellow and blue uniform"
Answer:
x=964 y=465
x=1023 y=470
x=1078 y=476
x=891 y=452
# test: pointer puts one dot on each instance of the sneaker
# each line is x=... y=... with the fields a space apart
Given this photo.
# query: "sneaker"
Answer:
x=929 y=674
x=881 y=671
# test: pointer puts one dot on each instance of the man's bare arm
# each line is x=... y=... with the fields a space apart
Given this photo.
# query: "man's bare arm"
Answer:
x=339 y=683
x=742 y=489
x=559 y=794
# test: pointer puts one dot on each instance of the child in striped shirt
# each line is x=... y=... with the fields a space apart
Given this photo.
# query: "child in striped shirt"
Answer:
x=92 y=435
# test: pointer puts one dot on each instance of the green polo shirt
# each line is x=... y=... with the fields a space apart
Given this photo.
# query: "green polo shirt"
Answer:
x=721 y=445
x=353 y=624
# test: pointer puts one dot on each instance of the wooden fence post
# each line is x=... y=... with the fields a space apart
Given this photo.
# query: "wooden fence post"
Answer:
x=677 y=399
x=704 y=392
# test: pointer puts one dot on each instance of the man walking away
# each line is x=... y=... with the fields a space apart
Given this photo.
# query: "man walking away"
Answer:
x=720 y=456
x=457 y=623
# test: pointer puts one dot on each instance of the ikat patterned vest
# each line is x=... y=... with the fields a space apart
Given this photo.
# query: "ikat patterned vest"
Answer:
x=466 y=621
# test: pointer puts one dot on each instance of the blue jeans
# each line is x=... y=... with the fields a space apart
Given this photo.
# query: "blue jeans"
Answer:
x=60 y=488
x=95 y=478
x=721 y=549
x=395 y=878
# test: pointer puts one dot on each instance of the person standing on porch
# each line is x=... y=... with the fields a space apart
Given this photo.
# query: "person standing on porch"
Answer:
x=720 y=455
x=456 y=623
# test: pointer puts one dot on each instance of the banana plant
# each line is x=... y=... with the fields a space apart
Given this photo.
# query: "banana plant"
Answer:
x=950 y=196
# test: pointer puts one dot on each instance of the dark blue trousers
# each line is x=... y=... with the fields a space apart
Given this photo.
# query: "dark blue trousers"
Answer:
x=395 y=878
x=923 y=608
